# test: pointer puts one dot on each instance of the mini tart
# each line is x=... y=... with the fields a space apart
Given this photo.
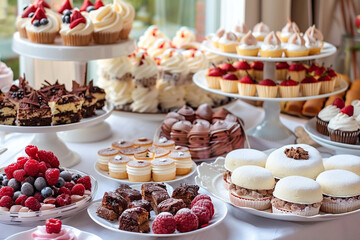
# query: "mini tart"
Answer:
x=246 y=86
x=159 y=152
x=163 y=169
x=260 y=31
x=258 y=70
x=143 y=142
x=296 y=72
x=117 y=167
x=327 y=84
x=183 y=162
x=104 y=155
x=264 y=89
x=310 y=87
x=289 y=89
x=228 y=83
x=248 y=46
x=281 y=70
x=215 y=39
x=139 y=171
x=213 y=77
x=243 y=69
x=129 y=152
x=144 y=156
x=164 y=143
x=122 y=144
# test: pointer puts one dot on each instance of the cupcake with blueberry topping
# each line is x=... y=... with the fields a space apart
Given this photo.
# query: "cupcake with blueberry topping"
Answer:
x=24 y=19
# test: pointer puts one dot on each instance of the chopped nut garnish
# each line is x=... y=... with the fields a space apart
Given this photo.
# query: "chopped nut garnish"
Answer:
x=297 y=154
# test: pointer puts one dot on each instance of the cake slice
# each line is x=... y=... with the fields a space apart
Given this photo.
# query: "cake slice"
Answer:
x=141 y=203
x=89 y=104
x=148 y=188
x=129 y=194
x=99 y=94
x=17 y=93
x=134 y=220
x=157 y=197
x=7 y=111
x=186 y=192
x=171 y=205
x=107 y=214
x=34 y=110
x=114 y=202
x=51 y=90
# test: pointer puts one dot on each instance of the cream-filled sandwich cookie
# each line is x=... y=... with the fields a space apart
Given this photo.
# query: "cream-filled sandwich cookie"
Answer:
x=139 y=171
x=117 y=167
x=163 y=169
x=104 y=155
x=183 y=162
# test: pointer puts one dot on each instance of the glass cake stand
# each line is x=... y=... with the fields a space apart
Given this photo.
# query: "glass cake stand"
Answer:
x=270 y=128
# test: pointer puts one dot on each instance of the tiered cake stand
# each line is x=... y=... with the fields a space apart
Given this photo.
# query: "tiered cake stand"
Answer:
x=270 y=128
x=96 y=129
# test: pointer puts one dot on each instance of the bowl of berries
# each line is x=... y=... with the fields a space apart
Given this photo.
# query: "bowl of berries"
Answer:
x=35 y=188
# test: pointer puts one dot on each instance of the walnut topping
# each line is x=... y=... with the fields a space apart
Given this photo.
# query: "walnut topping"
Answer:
x=297 y=154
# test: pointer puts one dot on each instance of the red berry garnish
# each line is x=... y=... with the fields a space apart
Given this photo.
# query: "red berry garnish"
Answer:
x=339 y=103
x=31 y=167
x=39 y=197
x=49 y=158
x=227 y=67
x=348 y=110
x=288 y=82
x=199 y=197
x=78 y=189
x=282 y=65
x=6 y=201
x=33 y=204
x=21 y=161
x=69 y=185
x=52 y=176
x=9 y=170
x=53 y=225
x=86 y=181
x=42 y=167
x=85 y=4
x=98 y=4
x=257 y=65
x=64 y=190
x=31 y=151
x=313 y=68
x=297 y=67
x=186 y=220
x=39 y=14
x=242 y=65
x=25 y=14
x=324 y=78
x=21 y=200
x=6 y=191
x=203 y=214
x=320 y=71
x=216 y=72
x=19 y=175
x=62 y=200
x=76 y=19
x=164 y=223
x=247 y=79
x=66 y=5
x=206 y=203
x=309 y=79
x=267 y=82
x=230 y=76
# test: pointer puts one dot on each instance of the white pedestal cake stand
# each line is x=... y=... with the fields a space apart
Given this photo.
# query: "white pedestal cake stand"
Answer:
x=81 y=56
x=46 y=138
x=271 y=127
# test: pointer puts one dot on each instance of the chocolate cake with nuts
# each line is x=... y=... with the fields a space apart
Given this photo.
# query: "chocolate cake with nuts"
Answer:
x=171 y=205
x=141 y=203
x=114 y=201
x=7 y=111
x=129 y=194
x=89 y=105
x=135 y=220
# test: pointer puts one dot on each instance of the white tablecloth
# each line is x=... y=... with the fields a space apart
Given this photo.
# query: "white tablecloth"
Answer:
x=237 y=225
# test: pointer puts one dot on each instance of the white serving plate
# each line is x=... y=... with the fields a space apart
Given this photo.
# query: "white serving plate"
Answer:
x=210 y=178
x=78 y=233
x=105 y=174
x=219 y=216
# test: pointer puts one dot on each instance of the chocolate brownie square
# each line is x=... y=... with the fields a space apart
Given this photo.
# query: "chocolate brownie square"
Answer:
x=134 y=220
x=114 y=201
x=171 y=205
x=186 y=192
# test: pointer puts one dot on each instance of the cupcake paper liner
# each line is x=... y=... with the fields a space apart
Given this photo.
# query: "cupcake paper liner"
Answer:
x=42 y=37
x=228 y=48
x=22 y=32
x=213 y=82
x=258 y=75
x=289 y=91
x=306 y=212
x=259 y=204
x=106 y=37
x=229 y=86
x=348 y=137
x=327 y=86
x=297 y=76
x=124 y=34
x=310 y=89
x=247 y=89
x=297 y=53
x=76 y=40
x=267 y=91
x=342 y=207
x=322 y=126
x=243 y=73
x=280 y=74
x=274 y=53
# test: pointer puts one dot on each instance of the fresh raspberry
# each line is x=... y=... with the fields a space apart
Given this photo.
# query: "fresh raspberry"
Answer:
x=186 y=220
x=202 y=213
x=6 y=191
x=62 y=200
x=10 y=169
x=52 y=176
x=205 y=203
x=64 y=190
x=33 y=204
x=53 y=225
x=86 y=181
x=69 y=185
x=50 y=200
x=31 y=167
x=348 y=110
x=21 y=200
x=31 y=151
x=164 y=223
x=19 y=175
x=49 y=157
x=199 y=197
x=339 y=103
x=78 y=189
x=21 y=161
x=42 y=167
x=6 y=201
x=40 y=174
x=39 y=197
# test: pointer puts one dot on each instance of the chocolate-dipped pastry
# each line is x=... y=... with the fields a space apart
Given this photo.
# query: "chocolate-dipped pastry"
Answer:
x=204 y=111
x=135 y=220
x=34 y=110
x=17 y=93
x=107 y=214
x=219 y=137
x=166 y=127
x=186 y=192
x=179 y=132
x=199 y=140
x=7 y=111
x=171 y=205
x=187 y=112
x=220 y=115
x=175 y=115
x=114 y=201
x=89 y=104
x=98 y=93
x=129 y=194
x=141 y=203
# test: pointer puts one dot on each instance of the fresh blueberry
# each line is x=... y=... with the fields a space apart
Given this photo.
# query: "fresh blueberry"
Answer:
x=27 y=189
x=66 y=19
x=90 y=8
x=40 y=183
x=16 y=195
x=14 y=184
x=29 y=179
x=66 y=176
x=75 y=177
x=60 y=183
x=47 y=192
x=5 y=182
x=31 y=15
x=67 y=12
x=36 y=23
x=44 y=21
x=61 y=169
x=1 y=177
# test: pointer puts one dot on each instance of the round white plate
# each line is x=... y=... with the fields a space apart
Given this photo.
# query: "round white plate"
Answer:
x=199 y=79
x=78 y=233
x=105 y=174
x=58 y=52
x=210 y=178
x=100 y=116
x=219 y=216
x=327 y=50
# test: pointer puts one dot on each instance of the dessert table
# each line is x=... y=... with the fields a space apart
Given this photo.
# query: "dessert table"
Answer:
x=237 y=225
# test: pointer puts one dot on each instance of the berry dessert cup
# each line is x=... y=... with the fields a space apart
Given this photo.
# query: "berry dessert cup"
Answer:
x=228 y=83
x=310 y=87
x=267 y=88
x=53 y=229
x=289 y=88
x=247 y=86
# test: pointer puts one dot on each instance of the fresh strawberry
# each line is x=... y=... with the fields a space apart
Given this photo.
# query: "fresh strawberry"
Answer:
x=98 y=4
x=230 y=76
x=39 y=14
x=247 y=79
x=66 y=5
x=267 y=82
x=85 y=5
x=348 y=110
x=242 y=65
x=288 y=82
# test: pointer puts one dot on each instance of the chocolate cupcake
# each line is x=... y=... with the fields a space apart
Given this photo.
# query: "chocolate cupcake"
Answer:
x=204 y=111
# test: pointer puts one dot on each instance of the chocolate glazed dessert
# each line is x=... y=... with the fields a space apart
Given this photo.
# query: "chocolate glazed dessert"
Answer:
x=89 y=104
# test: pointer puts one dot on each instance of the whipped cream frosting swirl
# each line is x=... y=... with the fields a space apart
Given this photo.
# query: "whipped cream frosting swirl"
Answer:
x=144 y=99
x=289 y=29
x=126 y=11
x=106 y=19
x=119 y=92
x=182 y=36
x=296 y=43
x=174 y=62
x=150 y=36
x=116 y=67
x=356 y=104
x=271 y=42
x=343 y=122
x=171 y=96
x=158 y=47
x=144 y=66
x=240 y=30
x=328 y=113
x=80 y=29
x=261 y=29
x=196 y=60
x=248 y=41
x=228 y=38
x=313 y=37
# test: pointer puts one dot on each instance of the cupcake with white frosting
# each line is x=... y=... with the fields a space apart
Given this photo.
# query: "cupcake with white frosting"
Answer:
x=356 y=105
x=174 y=71
x=289 y=29
x=216 y=37
x=248 y=45
x=296 y=46
x=127 y=14
x=159 y=47
x=326 y=114
x=314 y=40
x=151 y=34
x=23 y=19
x=271 y=46
x=145 y=94
x=183 y=36
x=228 y=42
x=260 y=31
x=240 y=30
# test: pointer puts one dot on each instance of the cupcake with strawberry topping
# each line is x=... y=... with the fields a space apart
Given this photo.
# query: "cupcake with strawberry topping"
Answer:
x=271 y=46
x=247 y=86
x=243 y=69
x=319 y=72
x=213 y=77
x=311 y=70
x=310 y=86
x=296 y=46
x=267 y=88
x=53 y=229
x=248 y=45
x=77 y=29
x=281 y=70
x=296 y=72
x=289 y=88
x=258 y=70
x=228 y=83
x=228 y=68
x=326 y=114
x=183 y=36
x=327 y=84
x=343 y=127
x=331 y=73
x=24 y=19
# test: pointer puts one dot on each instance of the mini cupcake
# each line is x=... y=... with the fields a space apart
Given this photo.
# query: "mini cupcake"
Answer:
x=296 y=72
x=107 y=24
x=343 y=127
x=289 y=89
x=331 y=73
x=289 y=29
x=215 y=39
x=260 y=31
x=240 y=30
x=271 y=46
x=159 y=47
x=243 y=69
x=24 y=19
x=165 y=143
x=281 y=70
x=127 y=15
x=314 y=40
x=213 y=77
x=42 y=28
x=326 y=114
x=247 y=86
x=310 y=87
x=117 y=167
x=267 y=88
x=248 y=45
x=76 y=29
x=122 y=144
x=183 y=36
x=258 y=70
x=228 y=42
x=228 y=83
x=143 y=142
x=311 y=70
x=183 y=162
x=296 y=46
x=228 y=68
x=151 y=34
x=104 y=155
x=139 y=171
x=163 y=170
x=327 y=84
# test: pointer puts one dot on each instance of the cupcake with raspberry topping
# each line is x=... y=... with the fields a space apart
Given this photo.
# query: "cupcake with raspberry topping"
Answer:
x=151 y=34
x=243 y=69
x=331 y=73
x=281 y=70
x=289 y=89
x=213 y=77
x=228 y=68
x=53 y=229
x=310 y=86
x=258 y=70
x=267 y=88
x=326 y=114
x=228 y=83
x=247 y=86
x=296 y=72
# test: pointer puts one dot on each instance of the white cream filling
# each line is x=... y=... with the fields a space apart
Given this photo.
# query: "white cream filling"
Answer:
x=268 y=47
x=104 y=160
x=184 y=163
x=138 y=171
x=162 y=170
x=117 y=167
x=295 y=47
x=245 y=46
